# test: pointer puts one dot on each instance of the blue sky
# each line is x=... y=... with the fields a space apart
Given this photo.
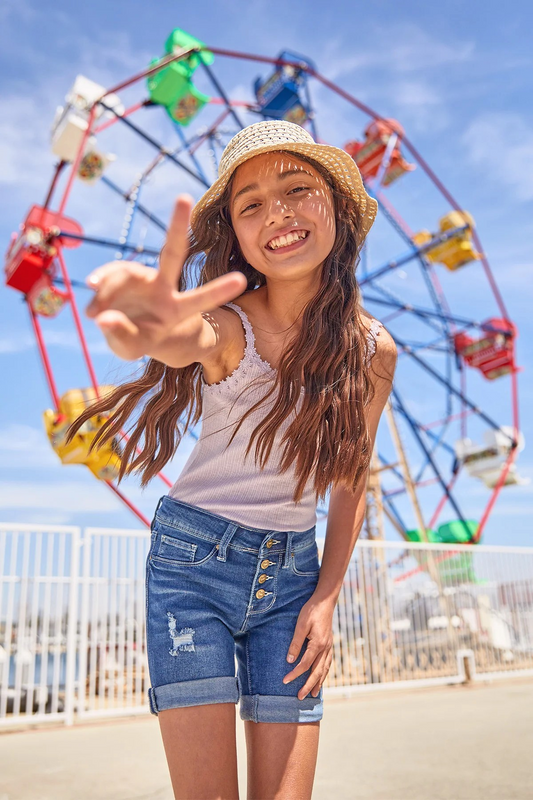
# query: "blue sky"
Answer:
x=457 y=76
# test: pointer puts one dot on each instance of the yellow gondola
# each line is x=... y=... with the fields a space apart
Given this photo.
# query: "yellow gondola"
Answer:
x=456 y=251
x=104 y=462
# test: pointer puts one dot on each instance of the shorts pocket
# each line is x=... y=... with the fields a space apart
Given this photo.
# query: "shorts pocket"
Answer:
x=305 y=562
x=180 y=548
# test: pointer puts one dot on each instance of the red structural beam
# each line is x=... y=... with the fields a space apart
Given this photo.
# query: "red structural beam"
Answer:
x=76 y=163
x=77 y=323
x=211 y=130
x=44 y=356
x=150 y=70
x=446 y=420
x=57 y=172
x=442 y=502
x=436 y=558
x=126 y=113
x=130 y=505
x=510 y=460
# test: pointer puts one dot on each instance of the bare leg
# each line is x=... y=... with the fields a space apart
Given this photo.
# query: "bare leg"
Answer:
x=281 y=759
x=201 y=749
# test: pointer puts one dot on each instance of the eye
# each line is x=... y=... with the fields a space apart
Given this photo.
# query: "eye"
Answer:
x=299 y=189
x=247 y=208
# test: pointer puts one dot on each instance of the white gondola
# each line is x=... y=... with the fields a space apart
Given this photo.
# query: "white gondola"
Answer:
x=85 y=92
x=71 y=120
x=68 y=131
x=485 y=461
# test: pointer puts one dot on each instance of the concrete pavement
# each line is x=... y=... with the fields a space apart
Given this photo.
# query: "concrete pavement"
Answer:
x=451 y=743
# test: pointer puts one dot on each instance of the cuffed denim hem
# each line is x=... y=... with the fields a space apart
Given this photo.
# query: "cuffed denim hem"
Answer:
x=280 y=708
x=193 y=693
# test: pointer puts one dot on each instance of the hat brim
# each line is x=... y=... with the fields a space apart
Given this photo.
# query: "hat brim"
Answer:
x=336 y=161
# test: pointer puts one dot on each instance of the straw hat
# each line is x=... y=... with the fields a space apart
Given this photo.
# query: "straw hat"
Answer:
x=275 y=135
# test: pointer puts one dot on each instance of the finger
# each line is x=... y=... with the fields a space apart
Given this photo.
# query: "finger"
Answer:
x=318 y=685
x=314 y=677
x=95 y=278
x=107 y=280
x=316 y=689
x=306 y=662
x=94 y=281
x=176 y=245
x=213 y=294
x=122 y=335
x=297 y=642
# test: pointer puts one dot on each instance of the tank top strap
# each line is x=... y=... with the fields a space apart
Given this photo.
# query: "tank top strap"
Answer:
x=248 y=330
x=371 y=339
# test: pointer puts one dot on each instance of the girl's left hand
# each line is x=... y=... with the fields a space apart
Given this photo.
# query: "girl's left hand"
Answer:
x=315 y=622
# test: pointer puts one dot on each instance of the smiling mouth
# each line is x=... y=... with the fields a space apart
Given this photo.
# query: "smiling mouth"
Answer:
x=284 y=241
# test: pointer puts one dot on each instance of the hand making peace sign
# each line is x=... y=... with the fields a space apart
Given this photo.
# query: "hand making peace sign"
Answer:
x=138 y=308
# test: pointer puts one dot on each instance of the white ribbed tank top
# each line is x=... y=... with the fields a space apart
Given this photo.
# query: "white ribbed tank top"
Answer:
x=220 y=478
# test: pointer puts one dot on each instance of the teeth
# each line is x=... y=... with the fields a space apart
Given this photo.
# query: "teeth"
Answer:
x=284 y=241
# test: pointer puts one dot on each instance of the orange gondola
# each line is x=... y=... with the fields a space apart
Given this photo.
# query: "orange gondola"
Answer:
x=369 y=154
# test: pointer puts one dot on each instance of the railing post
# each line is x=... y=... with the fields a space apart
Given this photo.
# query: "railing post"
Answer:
x=72 y=627
x=87 y=545
x=466 y=665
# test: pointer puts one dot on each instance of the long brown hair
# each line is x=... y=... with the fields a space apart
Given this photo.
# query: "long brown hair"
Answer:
x=328 y=437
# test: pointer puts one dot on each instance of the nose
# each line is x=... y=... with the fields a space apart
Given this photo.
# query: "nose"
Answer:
x=278 y=209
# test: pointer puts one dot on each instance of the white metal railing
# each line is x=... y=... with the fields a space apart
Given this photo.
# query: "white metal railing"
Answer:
x=415 y=612
x=113 y=675
x=72 y=619
x=38 y=596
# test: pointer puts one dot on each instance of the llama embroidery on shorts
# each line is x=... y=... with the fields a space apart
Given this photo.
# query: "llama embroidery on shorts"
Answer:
x=180 y=641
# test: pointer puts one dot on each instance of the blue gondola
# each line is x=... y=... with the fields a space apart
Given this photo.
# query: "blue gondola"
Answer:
x=283 y=94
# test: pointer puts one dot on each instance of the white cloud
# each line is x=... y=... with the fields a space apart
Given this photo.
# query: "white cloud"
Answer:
x=400 y=47
x=22 y=446
x=67 y=496
x=400 y=75
x=500 y=145
x=421 y=104
x=47 y=517
x=16 y=344
x=65 y=339
x=16 y=8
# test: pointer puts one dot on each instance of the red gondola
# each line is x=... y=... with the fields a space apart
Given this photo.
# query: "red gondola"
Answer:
x=493 y=354
x=30 y=260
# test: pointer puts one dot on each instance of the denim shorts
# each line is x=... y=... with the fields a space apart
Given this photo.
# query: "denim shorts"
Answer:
x=222 y=603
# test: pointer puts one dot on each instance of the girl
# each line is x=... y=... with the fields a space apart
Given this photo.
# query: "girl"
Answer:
x=290 y=380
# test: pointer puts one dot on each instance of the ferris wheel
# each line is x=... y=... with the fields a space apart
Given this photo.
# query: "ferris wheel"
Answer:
x=452 y=421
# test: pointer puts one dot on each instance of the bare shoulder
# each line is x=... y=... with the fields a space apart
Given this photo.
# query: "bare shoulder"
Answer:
x=224 y=356
x=386 y=350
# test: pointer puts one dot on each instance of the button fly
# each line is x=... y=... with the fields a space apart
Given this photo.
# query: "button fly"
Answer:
x=260 y=594
x=270 y=543
x=265 y=563
x=263 y=578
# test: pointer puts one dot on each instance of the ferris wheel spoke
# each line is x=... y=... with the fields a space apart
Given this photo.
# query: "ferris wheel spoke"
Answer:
x=422 y=312
x=441 y=379
x=150 y=140
x=418 y=437
x=140 y=208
